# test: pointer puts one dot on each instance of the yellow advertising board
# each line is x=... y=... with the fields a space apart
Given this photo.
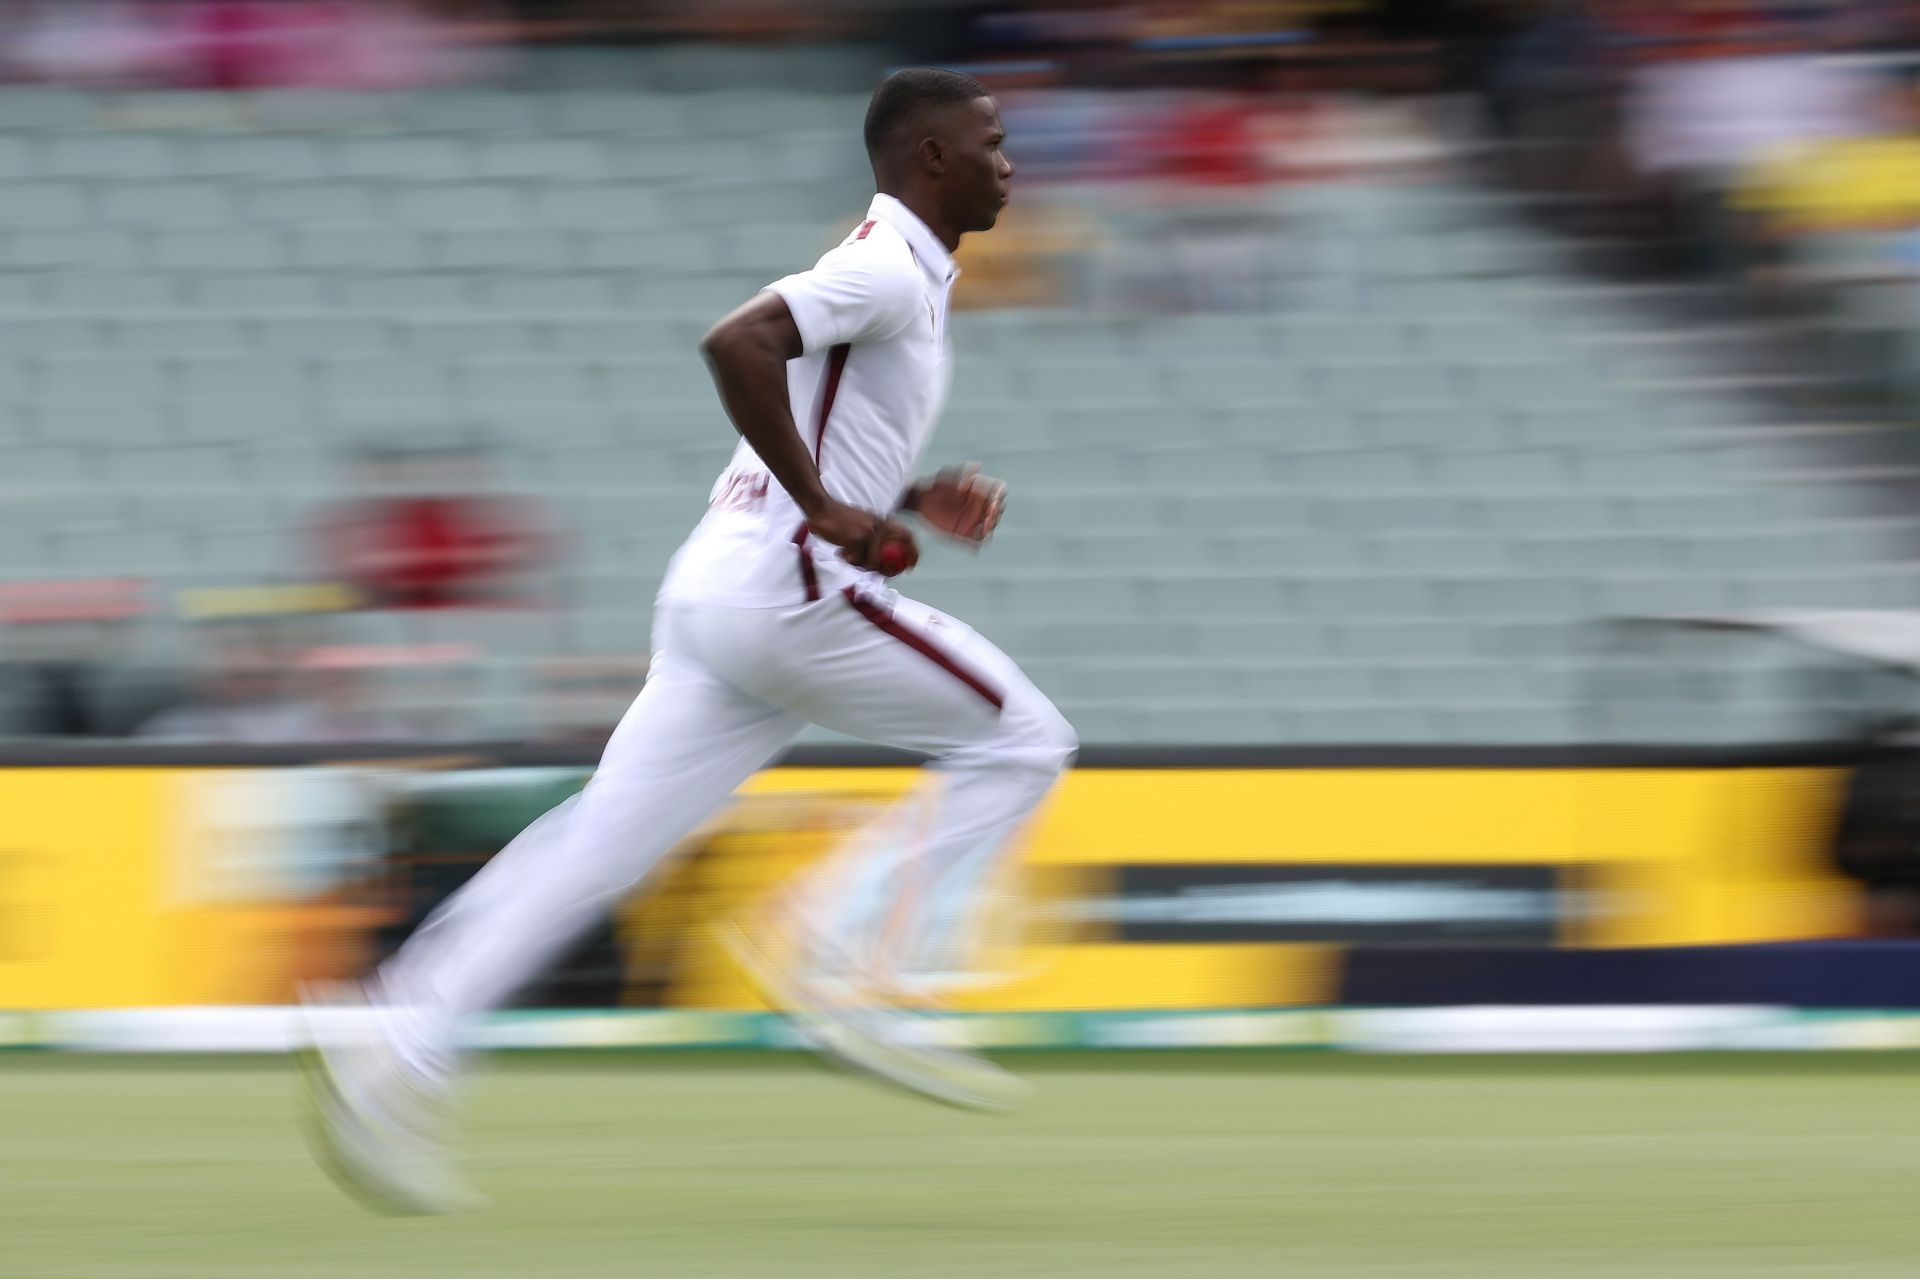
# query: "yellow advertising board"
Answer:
x=138 y=887
x=1134 y=888
x=78 y=885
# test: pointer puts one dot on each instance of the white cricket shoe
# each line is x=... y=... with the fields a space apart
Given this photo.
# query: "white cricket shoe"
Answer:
x=374 y=1124
x=846 y=1020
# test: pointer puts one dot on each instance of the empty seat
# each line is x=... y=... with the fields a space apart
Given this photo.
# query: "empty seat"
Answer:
x=120 y=156
x=360 y=249
x=510 y=250
x=489 y=206
x=312 y=204
x=548 y=293
x=72 y=378
x=422 y=291
x=47 y=112
x=254 y=158
x=321 y=336
x=225 y=248
x=438 y=337
x=1104 y=381
x=677 y=250
x=631 y=117
x=409 y=158
x=1202 y=382
x=198 y=203
x=266 y=290
x=83 y=248
x=31 y=335
x=42 y=202
x=378 y=381
x=521 y=383
x=471 y=112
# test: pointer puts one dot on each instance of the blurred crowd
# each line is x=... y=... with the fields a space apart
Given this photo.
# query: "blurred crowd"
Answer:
x=1773 y=147
x=377 y=44
x=248 y=44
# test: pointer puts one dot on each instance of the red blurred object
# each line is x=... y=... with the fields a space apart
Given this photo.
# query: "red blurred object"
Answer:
x=432 y=552
x=244 y=44
x=1210 y=143
x=111 y=600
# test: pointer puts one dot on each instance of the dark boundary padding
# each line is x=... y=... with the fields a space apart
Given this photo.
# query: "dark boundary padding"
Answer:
x=133 y=754
x=1809 y=974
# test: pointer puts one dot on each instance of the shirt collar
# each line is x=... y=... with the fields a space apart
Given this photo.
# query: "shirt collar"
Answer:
x=927 y=249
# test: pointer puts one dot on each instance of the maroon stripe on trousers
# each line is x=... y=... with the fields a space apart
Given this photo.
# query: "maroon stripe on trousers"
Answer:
x=925 y=647
x=808 y=578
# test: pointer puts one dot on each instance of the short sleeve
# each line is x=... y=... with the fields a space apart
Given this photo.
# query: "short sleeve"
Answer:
x=854 y=294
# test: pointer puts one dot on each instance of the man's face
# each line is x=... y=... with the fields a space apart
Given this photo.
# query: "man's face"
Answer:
x=979 y=168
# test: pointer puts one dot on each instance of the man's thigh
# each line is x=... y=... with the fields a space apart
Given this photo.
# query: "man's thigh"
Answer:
x=883 y=668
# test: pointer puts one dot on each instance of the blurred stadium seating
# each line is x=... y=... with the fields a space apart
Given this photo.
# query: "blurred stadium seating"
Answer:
x=1379 y=511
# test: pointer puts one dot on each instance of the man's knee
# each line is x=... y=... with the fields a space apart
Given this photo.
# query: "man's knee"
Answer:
x=1062 y=741
x=1041 y=735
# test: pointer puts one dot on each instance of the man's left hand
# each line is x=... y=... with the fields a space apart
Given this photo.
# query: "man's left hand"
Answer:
x=961 y=503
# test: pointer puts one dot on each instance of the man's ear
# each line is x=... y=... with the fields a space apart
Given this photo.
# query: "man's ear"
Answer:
x=933 y=157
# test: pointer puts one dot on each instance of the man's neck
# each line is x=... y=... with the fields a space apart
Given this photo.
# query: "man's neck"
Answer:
x=923 y=209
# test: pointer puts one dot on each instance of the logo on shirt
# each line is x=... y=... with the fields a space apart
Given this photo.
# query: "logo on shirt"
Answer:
x=740 y=491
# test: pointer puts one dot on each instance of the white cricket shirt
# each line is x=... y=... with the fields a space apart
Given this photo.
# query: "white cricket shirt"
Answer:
x=866 y=394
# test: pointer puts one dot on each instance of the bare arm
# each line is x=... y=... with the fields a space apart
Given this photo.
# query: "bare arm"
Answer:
x=747 y=352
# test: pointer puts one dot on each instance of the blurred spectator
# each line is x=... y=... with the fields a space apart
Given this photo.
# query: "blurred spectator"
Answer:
x=85 y=41
x=1839 y=224
x=263 y=680
x=64 y=657
x=247 y=44
x=1719 y=88
x=1702 y=114
x=1036 y=256
x=364 y=693
x=1176 y=201
x=1550 y=98
x=340 y=44
x=420 y=532
x=245 y=690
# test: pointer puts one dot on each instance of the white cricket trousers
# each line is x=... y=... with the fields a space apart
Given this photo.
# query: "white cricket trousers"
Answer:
x=727 y=690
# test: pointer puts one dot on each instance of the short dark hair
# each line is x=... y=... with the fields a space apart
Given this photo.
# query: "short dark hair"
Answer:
x=903 y=95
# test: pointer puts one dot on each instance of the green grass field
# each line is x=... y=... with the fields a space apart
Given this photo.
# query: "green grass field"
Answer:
x=1189 y=1165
